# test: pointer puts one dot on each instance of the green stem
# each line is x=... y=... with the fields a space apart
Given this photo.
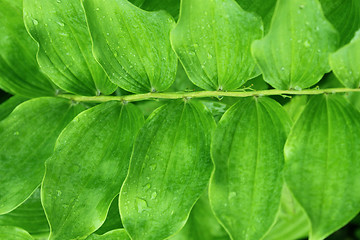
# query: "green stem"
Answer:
x=203 y=94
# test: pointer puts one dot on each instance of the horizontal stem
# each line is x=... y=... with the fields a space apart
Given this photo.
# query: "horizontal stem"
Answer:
x=203 y=94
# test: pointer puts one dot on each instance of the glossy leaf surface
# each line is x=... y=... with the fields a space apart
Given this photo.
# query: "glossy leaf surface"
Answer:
x=29 y=216
x=27 y=139
x=202 y=224
x=132 y=45
x=64 y=41
x=245 y=188
x=322 y=168
x=169 y=170
x=19 y=71
x=87 y=169
x=344 y=15
x=212 y=40
x=118 y=234
x=294 y=54
x=14 y=233
x=8 y=106
x=345 y=63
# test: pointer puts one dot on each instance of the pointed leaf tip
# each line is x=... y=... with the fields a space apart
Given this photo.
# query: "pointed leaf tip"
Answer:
x=322 y=168
x=65 y=55
x=87 y=169
x=247 y=146
x=212 y=40
x=294 y=54
x=169 y=170
x=132 y=45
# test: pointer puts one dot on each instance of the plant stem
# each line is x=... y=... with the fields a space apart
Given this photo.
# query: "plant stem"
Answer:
x=203 y=94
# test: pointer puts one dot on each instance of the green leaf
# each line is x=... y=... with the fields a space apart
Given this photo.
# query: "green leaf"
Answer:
x=212 y=40
x=87 y=169
x=322 y=168
x=8 y=106
x=247 y=146
x=113 y=220
x=29 y=216
x=64 y=41
x=27 y=139
x=345 y=63
x=263 y=8
x=118 y=234
x=202 y=224
x=14 y=233
x=294 y=54
x=169 y=169
x=132 y=45
x=344 y=15
x=19 y=72
x=291 y=222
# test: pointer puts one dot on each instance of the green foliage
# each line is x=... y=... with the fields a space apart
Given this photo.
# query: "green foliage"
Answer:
x=212 y=40
x=169 y=169
x=19 y=71
x=294 y=54
x=62 y=25
x=132 y=45
x=89 y=164
x=84 y=156
x=249 y=140
x=323 y=175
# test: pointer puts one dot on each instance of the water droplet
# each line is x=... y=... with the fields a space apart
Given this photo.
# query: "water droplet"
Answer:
x=152 y=167
x=153 y=195
x=282 y=69
x=232 y=195
x=58 y=193
x=297 y=88
x=301 y=6
x=16 y=133
x=58 y=1
x=148 y=186
x=307 y=43
x=172 y=212
x=131 y=66
x=317 y=28
x=61 y=24
x=35 y=22
x=97 y=9
x=115 y=54
x=210 y=56
x=141 y=205
x=191 y=53
x=108 y=34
